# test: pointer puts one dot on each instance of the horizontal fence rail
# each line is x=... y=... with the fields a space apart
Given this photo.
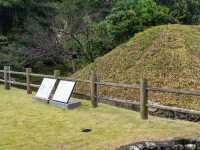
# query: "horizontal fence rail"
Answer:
x=45 y=76
x=120 y=85
x=41 y=75
x=20 y=83
x=143 y=87
x=111 y=84
x=17 y=73
x=176 y=91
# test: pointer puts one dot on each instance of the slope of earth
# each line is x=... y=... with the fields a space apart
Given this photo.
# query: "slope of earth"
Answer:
x=167 y=55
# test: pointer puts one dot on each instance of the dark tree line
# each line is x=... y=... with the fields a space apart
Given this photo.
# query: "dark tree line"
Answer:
x=49 y=34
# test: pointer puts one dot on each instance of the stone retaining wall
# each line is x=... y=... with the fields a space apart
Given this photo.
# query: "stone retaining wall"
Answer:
x=135 y=106
x=174 y=144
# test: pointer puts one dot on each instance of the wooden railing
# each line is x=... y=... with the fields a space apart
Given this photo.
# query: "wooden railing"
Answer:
x=94 y=83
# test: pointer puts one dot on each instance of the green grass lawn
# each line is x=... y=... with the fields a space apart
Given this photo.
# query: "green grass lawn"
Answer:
x=26 y=124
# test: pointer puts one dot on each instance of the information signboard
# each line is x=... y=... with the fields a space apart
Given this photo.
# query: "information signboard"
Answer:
x=45 y=89
x=64 y=91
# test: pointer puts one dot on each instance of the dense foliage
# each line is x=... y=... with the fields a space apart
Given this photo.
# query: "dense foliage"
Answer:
x=68 y=34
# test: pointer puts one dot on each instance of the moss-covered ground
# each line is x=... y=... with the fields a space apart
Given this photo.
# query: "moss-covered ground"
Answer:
x=167 y=55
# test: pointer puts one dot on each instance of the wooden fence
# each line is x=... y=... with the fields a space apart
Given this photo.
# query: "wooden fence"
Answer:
x=94 y=83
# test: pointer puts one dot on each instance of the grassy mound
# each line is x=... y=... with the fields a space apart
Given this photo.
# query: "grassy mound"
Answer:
x=168 y=56
x=30 y=125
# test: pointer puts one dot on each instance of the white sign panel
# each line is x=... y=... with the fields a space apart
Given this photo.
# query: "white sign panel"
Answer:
x=64 y=91
x=46 y=88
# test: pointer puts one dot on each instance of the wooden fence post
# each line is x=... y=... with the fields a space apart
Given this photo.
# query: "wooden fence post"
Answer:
x=56 y=74
x=9 y=76
x=6 y=77
x=93 y=88
x=28 y=80
x=144 y=99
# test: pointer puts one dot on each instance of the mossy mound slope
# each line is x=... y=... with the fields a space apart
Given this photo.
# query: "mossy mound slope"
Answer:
x=168 y=56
